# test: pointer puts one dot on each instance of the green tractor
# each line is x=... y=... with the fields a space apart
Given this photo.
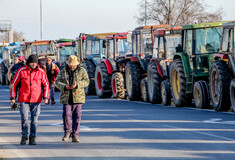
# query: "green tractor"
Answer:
x=166 y=43
x=189 y=71
x=222 y=72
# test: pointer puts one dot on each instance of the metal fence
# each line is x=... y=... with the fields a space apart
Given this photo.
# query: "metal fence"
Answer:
x=5 y=25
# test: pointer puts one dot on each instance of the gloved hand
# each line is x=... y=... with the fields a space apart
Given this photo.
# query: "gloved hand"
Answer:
x=14 y=106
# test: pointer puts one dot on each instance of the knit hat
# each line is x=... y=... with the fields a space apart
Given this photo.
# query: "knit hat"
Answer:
x=72 y=60
x=32 y=58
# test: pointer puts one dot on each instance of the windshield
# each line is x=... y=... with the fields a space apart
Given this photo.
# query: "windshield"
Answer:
x=123 y=47
x=95 y=47
x=208 y=40
x=172 y=41
x=147 y=43
x=66 y=51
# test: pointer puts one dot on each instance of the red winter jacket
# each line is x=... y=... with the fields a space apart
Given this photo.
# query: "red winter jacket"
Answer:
x=31 y=83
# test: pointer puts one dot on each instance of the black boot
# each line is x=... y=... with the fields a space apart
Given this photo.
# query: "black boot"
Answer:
x=32 y=141
x=23 y=140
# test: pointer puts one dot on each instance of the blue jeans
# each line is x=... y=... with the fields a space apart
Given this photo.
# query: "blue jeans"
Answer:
x=34 y=109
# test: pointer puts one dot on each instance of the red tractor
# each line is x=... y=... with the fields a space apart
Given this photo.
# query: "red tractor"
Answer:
x=166 y=43
x=109 y=72
x=137 y=62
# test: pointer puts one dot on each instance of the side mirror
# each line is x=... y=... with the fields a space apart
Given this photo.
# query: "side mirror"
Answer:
x=104 y=44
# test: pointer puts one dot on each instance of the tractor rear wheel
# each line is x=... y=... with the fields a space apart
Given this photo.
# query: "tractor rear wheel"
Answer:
x=117 y=84
x=232 y=94
x=178 y=84
x=219 y=85
x=102 y=81
x=133 y=79
x=154 y=83
x=201 y=94
x=144 y=89
x=90 y=68
x=165 y=93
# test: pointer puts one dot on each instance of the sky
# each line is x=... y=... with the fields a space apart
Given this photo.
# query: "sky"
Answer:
x=68 y=18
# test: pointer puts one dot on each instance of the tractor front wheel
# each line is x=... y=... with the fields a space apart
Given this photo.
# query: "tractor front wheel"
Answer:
x=219 y=85
x=165 y=93
x=144 y=90
x=117 y=84
x=232 y=94
x=201 y=95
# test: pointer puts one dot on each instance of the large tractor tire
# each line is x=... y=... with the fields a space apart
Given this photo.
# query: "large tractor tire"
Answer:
x=4 y=71
x=154 y=83
x=232 y=94
x=219 y=85
x=102 y=81
x=165 y=93
x=178 y=84
x=90 y=68
x=118 y=87
x=144 y=90
x=133 y=79
x=201 y=95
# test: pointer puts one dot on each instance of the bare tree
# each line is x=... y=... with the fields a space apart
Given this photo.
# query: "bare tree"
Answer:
x=177 y=12
x=17 y=36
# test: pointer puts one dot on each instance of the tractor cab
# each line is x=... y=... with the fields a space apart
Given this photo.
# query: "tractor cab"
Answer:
x=64 y=50
x=118 y=45
x=96 y=47
x=142 y=43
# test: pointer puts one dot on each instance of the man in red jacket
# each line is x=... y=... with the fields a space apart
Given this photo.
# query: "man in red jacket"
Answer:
x=31 y=78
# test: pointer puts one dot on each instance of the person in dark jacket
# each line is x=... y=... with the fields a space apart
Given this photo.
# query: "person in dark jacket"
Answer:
x=31 y=78
x=18 y=65
x=52 y=71
x=71 y=81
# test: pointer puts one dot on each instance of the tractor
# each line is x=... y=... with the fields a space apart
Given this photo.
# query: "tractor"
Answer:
x=166 y=43
x=109 y=72
x=189 y=71
x=64 y=49
x=222 y=72
x=137 y=62
x=91 y=50
x=8 y=55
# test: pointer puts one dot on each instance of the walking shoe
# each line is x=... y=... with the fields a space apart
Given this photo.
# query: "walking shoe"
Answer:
x=23 y=140
x=75 y=139
x=32 y=141
x=66 y=137
x=53 y=102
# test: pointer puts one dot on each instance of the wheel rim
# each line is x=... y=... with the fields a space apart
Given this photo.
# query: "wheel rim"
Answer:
x=175 y=84
x=99 y=80
x=128 y=82
x=150 y=86
x=163 y=93
x=114 y=86
x=215 y=86
x=197 y=95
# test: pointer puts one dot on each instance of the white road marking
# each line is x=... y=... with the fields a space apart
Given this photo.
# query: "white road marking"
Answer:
x=219 y=121
x=203 y=133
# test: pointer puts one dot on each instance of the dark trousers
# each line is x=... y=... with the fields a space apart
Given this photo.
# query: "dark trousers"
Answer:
x=74 y=111
x=34 y=109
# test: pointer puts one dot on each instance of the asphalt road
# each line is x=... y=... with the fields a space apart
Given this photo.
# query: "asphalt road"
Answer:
x=122 y=130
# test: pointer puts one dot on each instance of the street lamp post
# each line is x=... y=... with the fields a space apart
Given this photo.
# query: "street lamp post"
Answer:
x=145 y=13
x=41 y=22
